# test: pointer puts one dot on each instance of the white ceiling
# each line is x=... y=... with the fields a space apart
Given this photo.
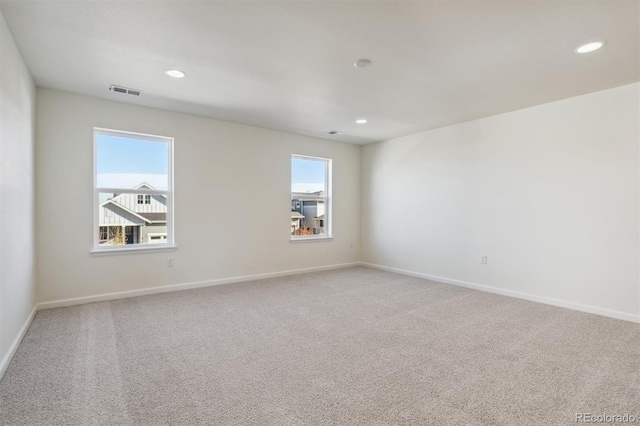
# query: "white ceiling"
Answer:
x=288 y=65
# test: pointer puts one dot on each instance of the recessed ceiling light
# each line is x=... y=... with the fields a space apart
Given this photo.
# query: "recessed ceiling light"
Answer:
x=362 y=63
x=335 y=132
x=175 y=73
x=361 y=121
x=590 y=47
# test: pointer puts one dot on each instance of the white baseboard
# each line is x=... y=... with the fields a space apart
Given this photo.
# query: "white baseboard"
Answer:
x=185 y=286
x=16 y=342
x=511 y=293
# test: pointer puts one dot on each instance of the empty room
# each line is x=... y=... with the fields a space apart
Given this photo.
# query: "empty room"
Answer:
x=319 y=212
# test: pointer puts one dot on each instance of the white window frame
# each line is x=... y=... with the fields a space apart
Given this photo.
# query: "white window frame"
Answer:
x=328 y=220
x=169 y=193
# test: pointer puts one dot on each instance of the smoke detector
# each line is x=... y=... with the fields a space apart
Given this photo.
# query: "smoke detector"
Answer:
x=362 y=63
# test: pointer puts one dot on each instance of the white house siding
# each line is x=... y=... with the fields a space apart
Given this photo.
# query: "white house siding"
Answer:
x=321 y=212
x=137 y=229
x=158 y=203
x=111 y=215
x=309 y=210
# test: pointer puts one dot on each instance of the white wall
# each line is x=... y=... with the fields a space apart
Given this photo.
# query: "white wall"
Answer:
x=17 y=239
x=550 y=194
x=222 y=172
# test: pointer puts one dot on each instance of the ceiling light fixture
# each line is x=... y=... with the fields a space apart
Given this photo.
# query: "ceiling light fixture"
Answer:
x=362 y=63
x=361 y=121
x=335 y=132
x=590 y=47
x=175 y=73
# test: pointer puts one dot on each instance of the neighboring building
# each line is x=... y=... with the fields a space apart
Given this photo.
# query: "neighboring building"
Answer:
x=310 y=213
x=133 y=219
x=296 y=221
x=319 y=224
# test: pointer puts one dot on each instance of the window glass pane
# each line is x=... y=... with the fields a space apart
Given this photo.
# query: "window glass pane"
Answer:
x=123 y=162
x=123 y=221
x=308 y=176
x=308 y=218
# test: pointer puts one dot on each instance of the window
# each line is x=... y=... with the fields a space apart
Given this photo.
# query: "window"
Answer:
x=310 y=198
x=103 y=233
x=157 y=238
x=133 y=191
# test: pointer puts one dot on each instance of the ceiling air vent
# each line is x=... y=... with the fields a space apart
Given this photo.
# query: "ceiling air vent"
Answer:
x=126 y=90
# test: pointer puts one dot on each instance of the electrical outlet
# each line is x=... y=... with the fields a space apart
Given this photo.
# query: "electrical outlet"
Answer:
x=483 y=260
x=169 y=263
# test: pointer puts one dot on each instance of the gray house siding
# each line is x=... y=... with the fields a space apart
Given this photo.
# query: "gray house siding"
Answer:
x=153 y=229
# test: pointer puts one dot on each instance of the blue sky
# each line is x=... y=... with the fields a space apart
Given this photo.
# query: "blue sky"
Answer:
x=126 y=162
x=307 y=175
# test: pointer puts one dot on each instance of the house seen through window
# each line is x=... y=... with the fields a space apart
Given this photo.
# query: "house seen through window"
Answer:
x=133 y=190
x=310 y=197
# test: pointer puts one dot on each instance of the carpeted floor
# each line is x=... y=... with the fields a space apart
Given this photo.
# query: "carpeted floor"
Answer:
x=354 y=346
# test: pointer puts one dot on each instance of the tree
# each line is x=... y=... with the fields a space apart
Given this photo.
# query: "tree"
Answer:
x=303 y=230
x=116 y=236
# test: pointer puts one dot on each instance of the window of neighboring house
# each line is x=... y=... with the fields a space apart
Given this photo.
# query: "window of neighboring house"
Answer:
x=310 y=197
x=133 y=191
x=157 y=238
x=144 y=199
x=103 y=233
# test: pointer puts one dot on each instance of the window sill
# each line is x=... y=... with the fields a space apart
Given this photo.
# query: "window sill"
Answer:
x=309 y=239
x=132 y=250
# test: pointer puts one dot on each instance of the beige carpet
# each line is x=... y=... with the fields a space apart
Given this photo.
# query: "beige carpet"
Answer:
x=351 y=347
